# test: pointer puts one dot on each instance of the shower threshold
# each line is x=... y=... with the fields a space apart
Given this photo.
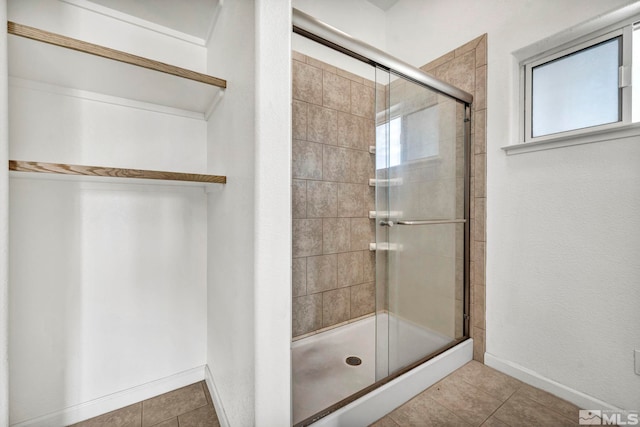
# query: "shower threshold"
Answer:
x=329 y=392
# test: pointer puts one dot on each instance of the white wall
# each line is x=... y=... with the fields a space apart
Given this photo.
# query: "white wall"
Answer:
x=249 y=281
x=358 y=18
x=562 y=251
x=231 y=215
x=107 y=281
x=82 y=131
x=107 y=290
x=83 y=24
x=4 y=224
x=273 y=214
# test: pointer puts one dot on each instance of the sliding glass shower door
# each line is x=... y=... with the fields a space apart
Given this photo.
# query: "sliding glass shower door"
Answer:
x=421 y=222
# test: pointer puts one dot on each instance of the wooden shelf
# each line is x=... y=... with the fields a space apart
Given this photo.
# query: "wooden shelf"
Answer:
x=99 y=171
x=55 y=59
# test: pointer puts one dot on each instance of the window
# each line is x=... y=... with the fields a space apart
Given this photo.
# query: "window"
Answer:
x=578 y=90
x=580 y=85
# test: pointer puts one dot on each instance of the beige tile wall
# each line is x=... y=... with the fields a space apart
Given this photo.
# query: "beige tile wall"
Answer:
x=333 y=127
x=466 y=68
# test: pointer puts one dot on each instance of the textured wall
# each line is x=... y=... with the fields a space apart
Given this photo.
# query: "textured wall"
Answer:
x=333 y=127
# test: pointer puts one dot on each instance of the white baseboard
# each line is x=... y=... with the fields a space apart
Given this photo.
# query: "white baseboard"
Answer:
x=534 y=379
x=93 y=408
x=215 y=396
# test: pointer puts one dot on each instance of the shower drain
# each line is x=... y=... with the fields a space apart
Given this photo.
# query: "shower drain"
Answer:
x=353 y=361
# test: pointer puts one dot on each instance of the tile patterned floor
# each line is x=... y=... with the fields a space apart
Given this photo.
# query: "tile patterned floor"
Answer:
x=189 y=406
x=476 y=395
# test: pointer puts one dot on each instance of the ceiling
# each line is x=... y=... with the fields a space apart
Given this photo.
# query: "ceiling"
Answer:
x=383 y=4
x=191 y=17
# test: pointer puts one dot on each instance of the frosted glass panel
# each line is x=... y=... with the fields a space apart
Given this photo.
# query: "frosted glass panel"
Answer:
x=420 y=175
x=577 y=91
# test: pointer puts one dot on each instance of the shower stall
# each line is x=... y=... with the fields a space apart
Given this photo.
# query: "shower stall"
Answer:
x=381 y=279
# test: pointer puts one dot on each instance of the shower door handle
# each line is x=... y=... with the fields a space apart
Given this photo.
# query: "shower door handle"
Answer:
x=433 y=221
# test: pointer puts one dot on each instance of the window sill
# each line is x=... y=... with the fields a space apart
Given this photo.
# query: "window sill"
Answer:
x=567 y=141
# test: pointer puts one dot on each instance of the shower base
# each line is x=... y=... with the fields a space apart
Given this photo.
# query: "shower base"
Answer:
x=322 y=377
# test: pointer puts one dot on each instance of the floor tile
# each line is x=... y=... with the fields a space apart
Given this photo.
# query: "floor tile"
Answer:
x=558 y=405
x=465 y=400
x=173 y=422
x=201 y=417
x=520 y=411
x=422 y=411
x=129 y=416
x=495 y=383
x=494 y=422
x=172 y=404
x=384 y=422
x=474 y=395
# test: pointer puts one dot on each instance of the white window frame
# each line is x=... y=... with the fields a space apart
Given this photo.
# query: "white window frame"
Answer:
x=582 y=36
x=625 y=36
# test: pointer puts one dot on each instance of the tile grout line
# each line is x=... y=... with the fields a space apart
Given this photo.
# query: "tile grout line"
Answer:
x=531 y=400
x=177 y=415
x=501 y=405
x=549 y=407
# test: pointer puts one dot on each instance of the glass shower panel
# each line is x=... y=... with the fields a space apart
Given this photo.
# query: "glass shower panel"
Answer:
x=383 y=161
x=420 y=224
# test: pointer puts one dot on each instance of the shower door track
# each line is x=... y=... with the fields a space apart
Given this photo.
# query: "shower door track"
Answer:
x=344 y=402
x=316 y=30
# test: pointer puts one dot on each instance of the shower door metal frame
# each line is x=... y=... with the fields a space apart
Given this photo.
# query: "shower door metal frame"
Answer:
x=318 y=31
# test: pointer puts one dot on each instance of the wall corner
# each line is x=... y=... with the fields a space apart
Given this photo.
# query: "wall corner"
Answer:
x=272 y=269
